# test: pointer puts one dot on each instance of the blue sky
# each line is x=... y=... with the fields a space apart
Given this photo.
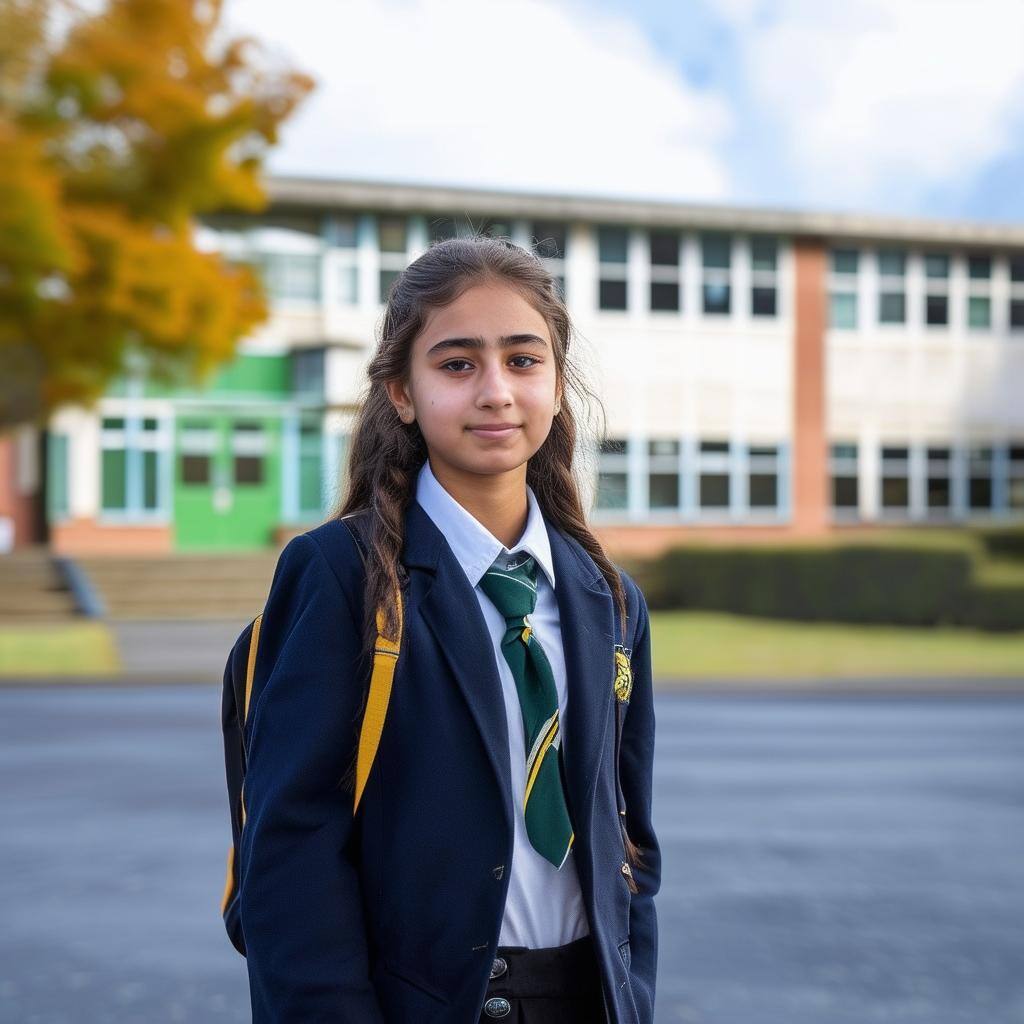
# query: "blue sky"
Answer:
x=911 y=107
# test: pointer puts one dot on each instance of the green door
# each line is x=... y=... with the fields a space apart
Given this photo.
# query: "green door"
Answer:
x=227 y=492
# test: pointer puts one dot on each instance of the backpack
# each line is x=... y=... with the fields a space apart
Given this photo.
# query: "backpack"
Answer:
x=237 y=688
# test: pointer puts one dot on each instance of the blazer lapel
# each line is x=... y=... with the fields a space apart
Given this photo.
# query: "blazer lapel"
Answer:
x=450 y=608
x=586 y=613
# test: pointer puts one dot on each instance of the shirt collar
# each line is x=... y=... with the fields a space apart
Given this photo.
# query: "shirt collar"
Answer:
x=473 y=545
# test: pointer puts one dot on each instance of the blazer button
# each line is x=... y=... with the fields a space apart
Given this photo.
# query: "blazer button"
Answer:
x=497 y=1007
x=498 y=871
x=498 y=968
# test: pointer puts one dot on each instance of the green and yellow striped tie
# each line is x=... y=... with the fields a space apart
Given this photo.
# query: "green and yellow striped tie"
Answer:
x=511 y=583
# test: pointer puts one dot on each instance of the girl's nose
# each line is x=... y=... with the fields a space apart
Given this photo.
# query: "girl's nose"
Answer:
x=494 y=386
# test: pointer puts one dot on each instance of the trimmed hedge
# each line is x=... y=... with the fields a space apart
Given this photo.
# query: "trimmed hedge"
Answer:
x=1004 y=542
x=912 y=586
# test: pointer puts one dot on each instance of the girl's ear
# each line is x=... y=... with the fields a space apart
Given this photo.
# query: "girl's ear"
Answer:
x=400 y=399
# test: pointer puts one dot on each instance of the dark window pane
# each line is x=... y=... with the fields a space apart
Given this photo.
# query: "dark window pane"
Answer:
x=938 y=492
x=664 y=490
x=612 y=244
x=115 y=491
x=1017 y=268
x=613 y=446
x=936 y=265
x=391 y=234
x=387 y=279
x=149 y=424
x=663 y=446
x=716 y=298
x=892 y=308
x=980 y=492
x=843 y=451
x=716 y=250
x=612 y=295
x=764 y=490
x=895 y=452
x=763 y=301
x=664 y=295
x=844 y=261
x=113 y=423
x=549 y=239
x=1017 y=313
x=195 y=469
x=895 y=492
x=979 y=311
x=892 y=262
x=440 y=228
x=149 y=480
x=611 y=490
x=248 y=469
x=714 y=490
x=979 y=267
x=495 y=228
x=665 y=248
x=763 y=252
x=936 y=309
x=720 y=447
x=844 y=492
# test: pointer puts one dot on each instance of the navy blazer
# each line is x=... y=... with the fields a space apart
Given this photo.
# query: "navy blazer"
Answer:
x=394 y=917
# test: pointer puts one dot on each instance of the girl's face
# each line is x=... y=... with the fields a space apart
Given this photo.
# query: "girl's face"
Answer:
x=484 y=360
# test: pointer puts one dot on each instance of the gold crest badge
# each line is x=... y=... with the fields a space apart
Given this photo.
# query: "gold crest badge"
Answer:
x=623 y=674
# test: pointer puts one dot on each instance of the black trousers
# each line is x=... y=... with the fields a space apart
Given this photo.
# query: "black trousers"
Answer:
x=550 y=985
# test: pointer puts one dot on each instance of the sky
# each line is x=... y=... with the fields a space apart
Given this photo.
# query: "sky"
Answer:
x=905 y=107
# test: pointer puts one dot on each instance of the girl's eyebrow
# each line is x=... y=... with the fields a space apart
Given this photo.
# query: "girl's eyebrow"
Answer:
x=506 y=341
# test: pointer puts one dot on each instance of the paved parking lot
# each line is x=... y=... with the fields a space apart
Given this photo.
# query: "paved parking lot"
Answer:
x=827 y=860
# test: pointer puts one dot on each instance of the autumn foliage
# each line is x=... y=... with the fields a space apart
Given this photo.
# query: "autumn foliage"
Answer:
x=117 y=130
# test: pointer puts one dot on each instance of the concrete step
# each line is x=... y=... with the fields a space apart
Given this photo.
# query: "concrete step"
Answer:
x=32 y=589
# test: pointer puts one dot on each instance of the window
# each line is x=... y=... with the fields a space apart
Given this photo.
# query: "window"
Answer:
x=938 y=475
x=248 y=447
x=57 y=505
x=895 y=478
x=665 y=290
x=495 y=228
x=613 y=257
x=197 y=443
x=763 y=476
x=441 y=228
x=663 y=473
x=613 y=477
x=716 y=262
x=892 y=286
x=290 y=276
x=310 y=469
x=763 y=269
x=308 y=372
x=392 y=241
x=1017 y=292
x=132 y=452
x=343 y=234
x=843 y=470
x=713 y=474
x=936 y=299
x=979 y=298
x=1016 y=481
x=550 y=241
x=842 y=290
x=979 y=478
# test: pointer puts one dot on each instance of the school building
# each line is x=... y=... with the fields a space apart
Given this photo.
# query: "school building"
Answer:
x=765 y=373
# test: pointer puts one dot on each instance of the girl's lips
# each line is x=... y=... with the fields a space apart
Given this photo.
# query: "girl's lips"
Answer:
x=493 y=433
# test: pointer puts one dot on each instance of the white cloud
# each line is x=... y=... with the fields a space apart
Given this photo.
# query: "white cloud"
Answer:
x=502 y=93
x=874 y=102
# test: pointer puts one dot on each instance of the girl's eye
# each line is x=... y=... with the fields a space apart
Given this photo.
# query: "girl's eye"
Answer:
x=451 y=364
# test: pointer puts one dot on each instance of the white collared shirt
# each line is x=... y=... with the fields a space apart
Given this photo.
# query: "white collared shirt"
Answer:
x=544 y=905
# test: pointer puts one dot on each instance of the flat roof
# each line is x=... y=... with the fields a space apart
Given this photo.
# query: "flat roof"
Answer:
x=342 y=193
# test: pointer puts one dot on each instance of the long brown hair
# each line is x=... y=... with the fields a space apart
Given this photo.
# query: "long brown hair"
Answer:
x=385 y=454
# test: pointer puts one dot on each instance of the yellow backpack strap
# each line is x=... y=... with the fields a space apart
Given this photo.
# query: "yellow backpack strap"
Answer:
x=385 y=658
x=250 y=671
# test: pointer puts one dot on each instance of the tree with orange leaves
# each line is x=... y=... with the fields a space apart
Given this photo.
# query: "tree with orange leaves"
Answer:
x=118 y=129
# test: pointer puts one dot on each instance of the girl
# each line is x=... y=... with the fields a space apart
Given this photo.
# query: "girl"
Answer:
x=502 y=863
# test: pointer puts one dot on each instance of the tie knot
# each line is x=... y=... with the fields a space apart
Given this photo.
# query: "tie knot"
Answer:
x=511 y=584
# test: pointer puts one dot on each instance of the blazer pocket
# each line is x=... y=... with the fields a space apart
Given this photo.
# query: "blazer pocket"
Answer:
x=624 y=952
x=412 y=978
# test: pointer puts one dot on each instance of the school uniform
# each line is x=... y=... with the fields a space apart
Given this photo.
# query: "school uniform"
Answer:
x=432 y=905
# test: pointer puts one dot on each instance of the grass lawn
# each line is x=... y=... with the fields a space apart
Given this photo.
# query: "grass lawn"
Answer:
x=710 y=645
x=59 y=649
